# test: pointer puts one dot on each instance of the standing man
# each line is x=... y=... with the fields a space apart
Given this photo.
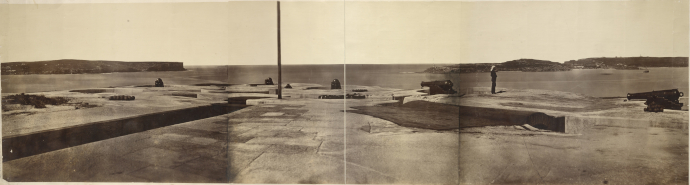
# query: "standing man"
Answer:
x=493 y=79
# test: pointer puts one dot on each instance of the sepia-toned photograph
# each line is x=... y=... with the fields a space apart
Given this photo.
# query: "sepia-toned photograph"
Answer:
x=345 y=92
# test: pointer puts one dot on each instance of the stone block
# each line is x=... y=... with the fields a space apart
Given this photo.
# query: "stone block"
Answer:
x=185 y=94
x=212 y=96
x=576 y=125
x=273 y=114
x=201 y=140
x=157 y=174
x=207 y=167
x=159 y=157
x=284 y=141
x=273 y=91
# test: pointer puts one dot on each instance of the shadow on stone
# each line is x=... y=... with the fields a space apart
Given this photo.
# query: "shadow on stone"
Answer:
x=16 y=147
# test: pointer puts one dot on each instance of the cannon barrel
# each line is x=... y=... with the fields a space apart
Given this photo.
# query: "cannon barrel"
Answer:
x=671 y=94
x=442 y=83
x=439 y=87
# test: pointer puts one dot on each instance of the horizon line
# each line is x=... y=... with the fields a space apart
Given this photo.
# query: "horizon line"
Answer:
x=372 y=63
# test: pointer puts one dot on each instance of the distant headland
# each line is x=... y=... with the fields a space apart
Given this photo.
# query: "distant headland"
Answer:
x=533 y=65
x=72 y=66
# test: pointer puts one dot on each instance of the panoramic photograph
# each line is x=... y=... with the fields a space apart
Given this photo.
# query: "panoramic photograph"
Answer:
x=345 y=92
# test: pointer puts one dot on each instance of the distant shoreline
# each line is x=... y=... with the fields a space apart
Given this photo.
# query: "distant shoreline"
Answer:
x=545 y=71
x=72 y=66
x=550 y=71
x=533 y=65
x=84 y=73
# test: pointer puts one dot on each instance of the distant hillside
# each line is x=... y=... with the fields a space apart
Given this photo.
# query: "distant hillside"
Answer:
x=70 y=66
x=628 y=62
x=533 y=65
x=527 y=65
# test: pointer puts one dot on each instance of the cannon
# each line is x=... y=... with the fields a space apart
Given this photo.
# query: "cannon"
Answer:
x=159 y=83
x=671 y=94
x=122 y=97
x=335 y=84
x=355 y=96
x=268 y=81
x=347 y=96
x=331 y=97
x=657 y=101
x=439 y=87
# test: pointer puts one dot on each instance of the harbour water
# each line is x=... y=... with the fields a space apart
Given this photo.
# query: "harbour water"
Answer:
x=592 y=82
x=56 y=82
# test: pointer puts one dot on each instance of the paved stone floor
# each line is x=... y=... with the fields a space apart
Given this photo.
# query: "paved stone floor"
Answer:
x=195 y=151
x=293 y=142
x=188 y=152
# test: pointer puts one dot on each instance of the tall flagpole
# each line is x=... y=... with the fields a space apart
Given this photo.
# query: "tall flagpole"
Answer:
x=280 y=76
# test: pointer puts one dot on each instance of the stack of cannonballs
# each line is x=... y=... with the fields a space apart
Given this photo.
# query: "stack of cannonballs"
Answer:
x=122 y=97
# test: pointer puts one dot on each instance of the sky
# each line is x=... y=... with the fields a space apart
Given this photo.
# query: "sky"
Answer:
x=337 y=32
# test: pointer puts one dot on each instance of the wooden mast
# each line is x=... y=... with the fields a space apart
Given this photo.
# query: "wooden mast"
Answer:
x=280 y=76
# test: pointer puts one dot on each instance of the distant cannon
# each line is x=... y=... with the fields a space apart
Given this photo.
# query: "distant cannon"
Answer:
x=331 y=97
x=335 y=84
x=347 y=96
x=159 y=83
x=355 y=96
x=439 y=87
x=122 y=97
x=657 y=101
x=268 y=81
